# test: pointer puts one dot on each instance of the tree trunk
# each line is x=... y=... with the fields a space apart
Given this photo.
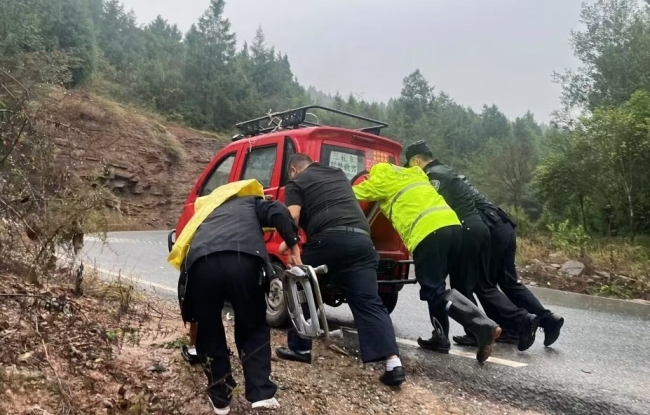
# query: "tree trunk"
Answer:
x=631 y=214
x=582 y=212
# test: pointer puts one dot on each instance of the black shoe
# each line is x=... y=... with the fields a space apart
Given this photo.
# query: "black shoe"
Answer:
x=466 y=341
x=287 y=354
x=393 y=377
x=508 y=337
x=193 y=359
x=471 y=318
x=527 y=332
x=551 y=326
x=439 y=341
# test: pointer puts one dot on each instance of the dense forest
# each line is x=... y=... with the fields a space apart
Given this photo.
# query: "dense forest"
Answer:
x=589 y=167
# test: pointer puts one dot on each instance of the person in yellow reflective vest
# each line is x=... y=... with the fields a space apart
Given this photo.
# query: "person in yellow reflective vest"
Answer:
x=432 y=232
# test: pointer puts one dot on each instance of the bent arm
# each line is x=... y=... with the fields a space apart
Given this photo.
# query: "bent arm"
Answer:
x=276 y=215
x=369 y=190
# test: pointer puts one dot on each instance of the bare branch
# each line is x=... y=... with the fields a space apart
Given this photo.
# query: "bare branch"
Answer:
x=13 y=145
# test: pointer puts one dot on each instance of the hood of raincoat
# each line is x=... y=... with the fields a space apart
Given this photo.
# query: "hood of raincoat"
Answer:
x=203 y=206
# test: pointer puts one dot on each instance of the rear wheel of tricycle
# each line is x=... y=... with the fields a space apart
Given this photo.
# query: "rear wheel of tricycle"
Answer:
x=277 y=312
x=389 y=300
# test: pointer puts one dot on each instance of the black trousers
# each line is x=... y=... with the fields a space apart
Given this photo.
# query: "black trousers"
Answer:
x=504 y=271
x=433 y=259
x=473 y=263
x=472 y=274
x=352 y=266
x=233 y=277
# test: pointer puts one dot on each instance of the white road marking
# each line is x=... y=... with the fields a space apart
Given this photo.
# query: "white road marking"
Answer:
x=455 y=352
x=137 y=280
x=460 y=353
x=111 y=240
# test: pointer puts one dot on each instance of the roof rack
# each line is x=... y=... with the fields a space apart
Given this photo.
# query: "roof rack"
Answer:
x=295 y=118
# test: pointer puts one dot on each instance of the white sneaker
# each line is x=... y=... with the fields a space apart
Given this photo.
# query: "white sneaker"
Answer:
x=267 y=404
x=219 y=411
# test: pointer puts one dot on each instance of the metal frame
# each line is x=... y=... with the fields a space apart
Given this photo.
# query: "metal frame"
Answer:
x=295 y=118
x=301 y=287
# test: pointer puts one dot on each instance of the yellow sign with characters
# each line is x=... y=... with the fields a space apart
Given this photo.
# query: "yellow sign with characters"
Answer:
x=373 y=157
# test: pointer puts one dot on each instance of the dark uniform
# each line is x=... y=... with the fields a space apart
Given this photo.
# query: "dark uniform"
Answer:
x=338 y=235
x=502 y=266
x=227 y=261
x=431 y=231
x=471 y=273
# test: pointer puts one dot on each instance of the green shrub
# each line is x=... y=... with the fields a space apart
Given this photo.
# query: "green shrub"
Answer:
x=569 y=238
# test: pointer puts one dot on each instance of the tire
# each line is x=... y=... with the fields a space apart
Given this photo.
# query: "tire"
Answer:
x=389 y=300
x=277 y=313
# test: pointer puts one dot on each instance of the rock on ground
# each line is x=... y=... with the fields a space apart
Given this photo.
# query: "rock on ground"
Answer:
x=573 y=268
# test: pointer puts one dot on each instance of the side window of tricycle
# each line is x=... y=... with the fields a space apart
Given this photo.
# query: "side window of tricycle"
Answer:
x=289 y=150
x=219 y=175
x=260 y=163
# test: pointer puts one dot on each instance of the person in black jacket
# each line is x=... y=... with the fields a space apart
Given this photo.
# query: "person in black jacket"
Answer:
x=227 y=261
x=504 y=272
x=322 y=202
x=471 y=274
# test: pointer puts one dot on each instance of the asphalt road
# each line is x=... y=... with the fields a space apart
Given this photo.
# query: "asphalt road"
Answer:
x=600 y=364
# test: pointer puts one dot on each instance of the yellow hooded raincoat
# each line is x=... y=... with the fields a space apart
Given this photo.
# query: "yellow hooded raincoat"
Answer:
x=203 y=206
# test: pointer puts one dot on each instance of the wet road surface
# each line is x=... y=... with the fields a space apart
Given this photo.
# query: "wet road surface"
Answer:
x=599 y=365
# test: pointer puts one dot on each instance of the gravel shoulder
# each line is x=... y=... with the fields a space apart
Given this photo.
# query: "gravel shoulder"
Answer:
x=115 y=350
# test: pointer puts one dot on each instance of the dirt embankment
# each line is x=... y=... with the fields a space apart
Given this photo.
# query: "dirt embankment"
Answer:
x=111 y=350
x=150 y=164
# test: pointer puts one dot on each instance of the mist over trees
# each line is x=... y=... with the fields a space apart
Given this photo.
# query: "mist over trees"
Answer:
x=590 y=166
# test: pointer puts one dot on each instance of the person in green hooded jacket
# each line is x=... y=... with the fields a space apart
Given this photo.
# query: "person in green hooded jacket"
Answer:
x=431 y=231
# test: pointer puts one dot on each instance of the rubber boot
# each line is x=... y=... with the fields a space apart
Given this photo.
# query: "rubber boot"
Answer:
x=470 y=317
x=439 y=341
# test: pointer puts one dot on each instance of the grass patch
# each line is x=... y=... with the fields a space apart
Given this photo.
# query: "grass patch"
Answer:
x=529 y=249
x=172 y=148
x=175 y=344
x=617 y=256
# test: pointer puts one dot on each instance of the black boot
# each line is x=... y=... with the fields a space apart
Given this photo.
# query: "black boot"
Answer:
x=509 y=337
x=439 y=341
x=551 y=326
x=527 y=332
x=470 y=316
x=467 y=340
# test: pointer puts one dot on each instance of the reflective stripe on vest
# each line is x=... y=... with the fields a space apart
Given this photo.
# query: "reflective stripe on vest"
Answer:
x=400 y=193
x=425 y=213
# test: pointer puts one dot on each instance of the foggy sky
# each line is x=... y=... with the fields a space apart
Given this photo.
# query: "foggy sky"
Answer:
x=499 y=52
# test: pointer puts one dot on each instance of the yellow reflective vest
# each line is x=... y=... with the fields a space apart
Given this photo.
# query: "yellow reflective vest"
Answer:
x=408 y=200
x=205 y=205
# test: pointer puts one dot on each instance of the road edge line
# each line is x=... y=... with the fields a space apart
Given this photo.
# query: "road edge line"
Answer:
x=137 y=280
x=456 y=352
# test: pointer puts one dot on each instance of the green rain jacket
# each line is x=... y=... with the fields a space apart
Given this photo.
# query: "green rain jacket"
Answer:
x=408 y=200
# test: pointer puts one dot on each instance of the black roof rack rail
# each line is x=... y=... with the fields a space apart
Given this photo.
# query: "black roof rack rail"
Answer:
x=295 y=118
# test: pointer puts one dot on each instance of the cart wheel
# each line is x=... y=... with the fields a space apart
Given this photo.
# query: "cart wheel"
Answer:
x=277 y=313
